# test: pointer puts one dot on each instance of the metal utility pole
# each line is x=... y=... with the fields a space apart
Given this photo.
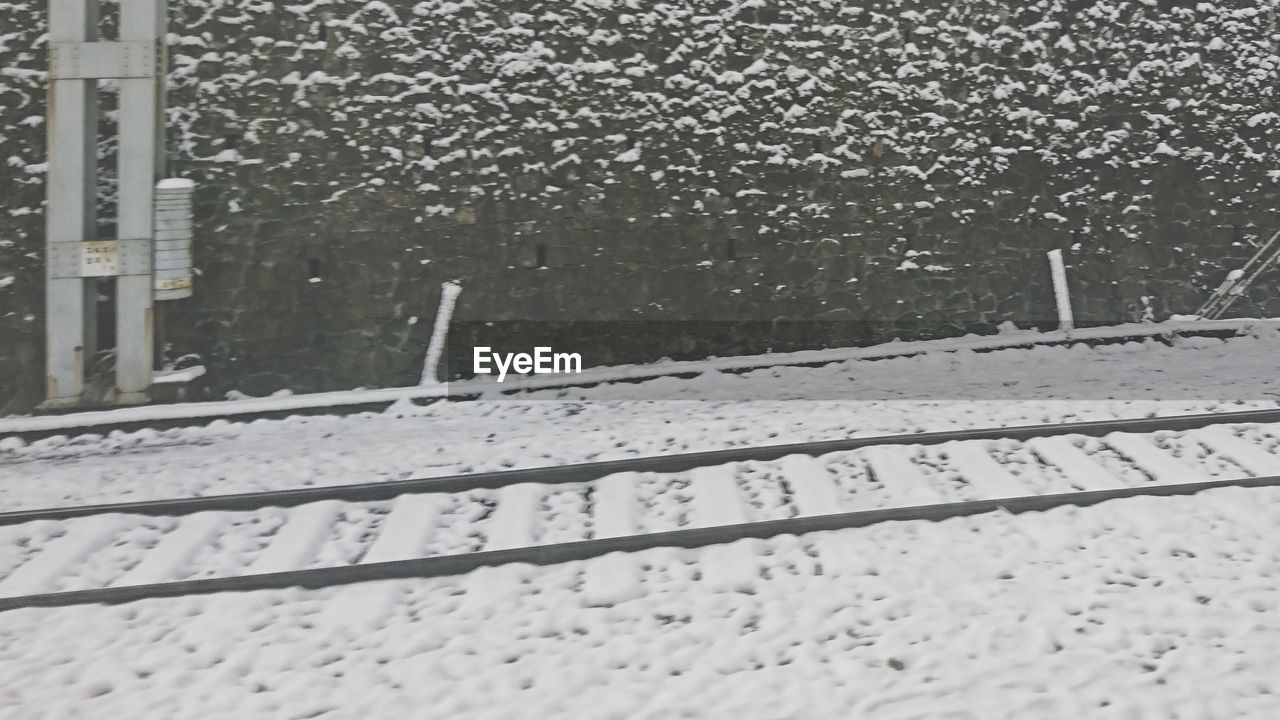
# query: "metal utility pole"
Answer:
x=75 y=258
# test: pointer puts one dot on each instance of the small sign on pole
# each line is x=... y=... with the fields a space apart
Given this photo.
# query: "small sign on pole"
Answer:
x=99 y=258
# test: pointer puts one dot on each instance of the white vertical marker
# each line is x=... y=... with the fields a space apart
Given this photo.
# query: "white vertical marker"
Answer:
x=448 y=298
x=1059 y=271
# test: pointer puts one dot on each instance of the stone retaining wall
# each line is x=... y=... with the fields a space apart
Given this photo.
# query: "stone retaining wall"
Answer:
x=891 y=169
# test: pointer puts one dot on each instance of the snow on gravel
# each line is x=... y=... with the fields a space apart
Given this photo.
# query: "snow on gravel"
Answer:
x=773 y=405
x=460 y=524
x=237 y=547
x=18 y=544
x=1136 y=608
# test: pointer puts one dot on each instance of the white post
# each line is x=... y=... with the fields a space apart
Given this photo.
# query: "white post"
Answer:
x=70 y=216
x=140 y=21
x=448 y=298
x=1060 y=292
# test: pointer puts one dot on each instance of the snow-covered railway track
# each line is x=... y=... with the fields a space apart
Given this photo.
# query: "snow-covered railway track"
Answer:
x=115 y=557
x=585 y=472
x=343 y=403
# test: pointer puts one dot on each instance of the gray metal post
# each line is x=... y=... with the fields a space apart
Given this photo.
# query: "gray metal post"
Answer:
x=75 y=259
x=70 y=214
x=140 y=132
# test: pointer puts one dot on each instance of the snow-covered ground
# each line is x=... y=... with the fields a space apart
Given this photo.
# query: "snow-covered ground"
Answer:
x=927 y=392
x=1141 y=608
x=1138 y=608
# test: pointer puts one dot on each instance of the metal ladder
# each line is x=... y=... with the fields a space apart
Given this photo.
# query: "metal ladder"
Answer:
x=1239 y=280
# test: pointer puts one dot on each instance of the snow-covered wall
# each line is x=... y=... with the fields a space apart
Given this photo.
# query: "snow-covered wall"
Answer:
x=880 y=168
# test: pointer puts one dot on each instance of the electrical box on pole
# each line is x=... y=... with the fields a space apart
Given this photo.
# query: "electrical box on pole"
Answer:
x=75 y=257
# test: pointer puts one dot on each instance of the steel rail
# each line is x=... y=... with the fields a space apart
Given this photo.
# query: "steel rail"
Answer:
x=586 y=472
x=457 y=564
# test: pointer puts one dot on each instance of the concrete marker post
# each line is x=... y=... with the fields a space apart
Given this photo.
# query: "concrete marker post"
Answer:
x=448 y=298
x=1060 y=292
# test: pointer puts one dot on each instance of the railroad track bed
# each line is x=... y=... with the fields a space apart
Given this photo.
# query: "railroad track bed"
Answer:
x=930 y=392
x=678 y=379
x=116 y=550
